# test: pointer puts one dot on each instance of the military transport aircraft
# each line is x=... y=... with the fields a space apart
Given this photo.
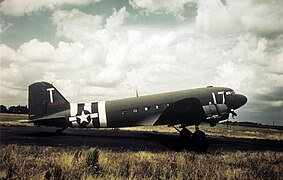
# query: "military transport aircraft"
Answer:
x=47 y=107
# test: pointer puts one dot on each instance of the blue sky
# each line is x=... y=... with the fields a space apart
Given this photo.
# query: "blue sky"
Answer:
x=101 y=49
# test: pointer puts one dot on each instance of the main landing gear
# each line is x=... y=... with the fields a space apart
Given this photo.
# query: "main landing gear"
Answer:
x=195 y=141
x=197 y=136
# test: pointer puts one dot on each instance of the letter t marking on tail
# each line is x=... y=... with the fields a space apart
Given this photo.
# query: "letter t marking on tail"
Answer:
x=50 y=94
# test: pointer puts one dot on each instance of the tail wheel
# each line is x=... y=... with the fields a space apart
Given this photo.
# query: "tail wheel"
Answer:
x=59 y=131
x=185 y=134
x=199 y=136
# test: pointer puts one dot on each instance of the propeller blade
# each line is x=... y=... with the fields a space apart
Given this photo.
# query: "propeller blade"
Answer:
x=233 y=113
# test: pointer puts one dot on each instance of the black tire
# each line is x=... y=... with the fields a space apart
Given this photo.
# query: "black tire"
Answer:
x=200 y=144
x=59 y=131
x=199 y=136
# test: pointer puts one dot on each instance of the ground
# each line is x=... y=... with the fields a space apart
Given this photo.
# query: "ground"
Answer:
x=234 y=152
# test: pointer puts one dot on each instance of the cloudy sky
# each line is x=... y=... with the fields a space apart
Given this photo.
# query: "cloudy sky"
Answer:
x=102 y=49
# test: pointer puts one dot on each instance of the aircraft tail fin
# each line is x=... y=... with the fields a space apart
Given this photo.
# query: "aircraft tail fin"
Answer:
x=44 y=99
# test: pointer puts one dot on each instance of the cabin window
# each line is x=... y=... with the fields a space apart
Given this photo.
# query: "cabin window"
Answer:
x=135 y=110
x=146 y=108
x=158 y=106
x=124 y=111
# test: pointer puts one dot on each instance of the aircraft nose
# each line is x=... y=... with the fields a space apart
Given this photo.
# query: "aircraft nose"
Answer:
x=240 y=100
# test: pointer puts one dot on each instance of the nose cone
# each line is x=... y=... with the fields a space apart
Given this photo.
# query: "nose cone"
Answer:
x=240 y=100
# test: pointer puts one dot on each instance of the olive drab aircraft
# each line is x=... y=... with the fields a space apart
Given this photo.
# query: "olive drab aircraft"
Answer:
x=47 y=107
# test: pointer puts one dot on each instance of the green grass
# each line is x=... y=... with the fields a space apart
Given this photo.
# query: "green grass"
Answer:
x=33 y=162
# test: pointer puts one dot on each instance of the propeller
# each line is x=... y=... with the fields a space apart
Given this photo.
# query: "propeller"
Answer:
x=233 y=113
x=233 y=116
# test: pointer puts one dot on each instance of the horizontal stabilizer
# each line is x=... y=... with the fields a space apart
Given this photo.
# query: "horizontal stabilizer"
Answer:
x=57 y=121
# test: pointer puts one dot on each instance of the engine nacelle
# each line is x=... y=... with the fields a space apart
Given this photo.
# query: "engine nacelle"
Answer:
x=215 y=113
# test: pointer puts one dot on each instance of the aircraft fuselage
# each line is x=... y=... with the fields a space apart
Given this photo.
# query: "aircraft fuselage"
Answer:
x=186 y=107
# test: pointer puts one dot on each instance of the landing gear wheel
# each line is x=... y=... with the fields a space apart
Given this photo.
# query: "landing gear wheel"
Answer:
x=199 y=136
x=186 y=134
x=60 y=131
x=199 y=141
x=186 y=138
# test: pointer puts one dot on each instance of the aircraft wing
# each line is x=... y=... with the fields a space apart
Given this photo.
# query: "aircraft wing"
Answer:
x=58 y=121
x=185 y=111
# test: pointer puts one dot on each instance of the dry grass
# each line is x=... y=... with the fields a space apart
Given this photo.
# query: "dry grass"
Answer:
x=11 y=117
x=15 y=123
x=14 y=119
x=31 y=162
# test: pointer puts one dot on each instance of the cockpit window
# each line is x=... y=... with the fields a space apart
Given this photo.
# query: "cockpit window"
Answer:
x=230 y=92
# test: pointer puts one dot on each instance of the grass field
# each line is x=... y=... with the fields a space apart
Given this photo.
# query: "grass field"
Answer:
x=35 y=162
x=12 y=117
x=31 y=162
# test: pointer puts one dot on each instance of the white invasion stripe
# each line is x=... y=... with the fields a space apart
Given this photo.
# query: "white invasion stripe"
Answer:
x=72 y=118
x=214 y=99
x=223 y=96
x=74 y=109
x=94 y=115
x=88 y=107
x=102 y=114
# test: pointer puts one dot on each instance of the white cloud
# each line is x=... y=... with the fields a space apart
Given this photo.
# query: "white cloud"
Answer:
x=276 y=64
x=116 y=19
x=7 y=55
x=162 y=6
x=35 y=51
x=232 y=75
x=213 y=17
x=27 y=7
x=164 y=59
x=264 y=17
x=154 y=58
x=216 y=17
x=33 y=59
x=76 y=25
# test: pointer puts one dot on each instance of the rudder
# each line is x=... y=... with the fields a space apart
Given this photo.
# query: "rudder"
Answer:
x=44 y=99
